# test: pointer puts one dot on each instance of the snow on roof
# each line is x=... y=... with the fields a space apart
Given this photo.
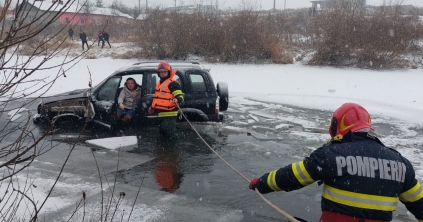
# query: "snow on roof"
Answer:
x=45 y=6
x=142 y=17
x=110 y=12
x=55 y=7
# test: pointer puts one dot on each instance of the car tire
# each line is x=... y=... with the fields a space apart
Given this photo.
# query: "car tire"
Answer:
x=223 y=93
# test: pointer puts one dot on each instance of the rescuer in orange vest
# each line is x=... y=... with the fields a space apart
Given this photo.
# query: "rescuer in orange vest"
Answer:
x=168 y=93
x=363 y=180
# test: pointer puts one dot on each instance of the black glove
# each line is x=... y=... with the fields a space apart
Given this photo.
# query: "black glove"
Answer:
x=150 y=111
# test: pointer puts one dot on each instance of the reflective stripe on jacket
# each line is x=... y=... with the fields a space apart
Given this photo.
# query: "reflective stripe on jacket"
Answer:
x=362 y=178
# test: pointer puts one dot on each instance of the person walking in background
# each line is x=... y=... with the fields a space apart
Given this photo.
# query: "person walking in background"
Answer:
x=83 y=38
x=100 y=38
x=363 y=180
x=70 y=32
x=128 y=100
x=167 y=96
x=106 y=38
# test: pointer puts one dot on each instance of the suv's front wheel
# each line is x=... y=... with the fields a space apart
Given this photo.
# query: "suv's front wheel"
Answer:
x=223 y=93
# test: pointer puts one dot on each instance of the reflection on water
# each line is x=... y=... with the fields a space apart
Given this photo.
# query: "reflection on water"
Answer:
x=166 y=170
x=174 y=159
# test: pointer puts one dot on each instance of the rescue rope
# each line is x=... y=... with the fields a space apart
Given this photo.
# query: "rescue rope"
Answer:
x=283 y=213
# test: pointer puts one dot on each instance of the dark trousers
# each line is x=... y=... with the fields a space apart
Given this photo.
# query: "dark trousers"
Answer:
x=168 y=126
x=83 y=44
x=107 y=43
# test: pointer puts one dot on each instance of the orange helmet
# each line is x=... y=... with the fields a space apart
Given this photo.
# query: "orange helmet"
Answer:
x=349 y=117
x=164 y=66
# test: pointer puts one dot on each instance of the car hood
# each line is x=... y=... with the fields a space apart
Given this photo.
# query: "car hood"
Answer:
x=78 y=93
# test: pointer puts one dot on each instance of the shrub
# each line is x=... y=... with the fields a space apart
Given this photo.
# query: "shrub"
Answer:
x=375 y=41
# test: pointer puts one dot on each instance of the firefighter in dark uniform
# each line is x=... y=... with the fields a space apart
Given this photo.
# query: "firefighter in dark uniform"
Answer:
x=168 y=93
x=362 y=178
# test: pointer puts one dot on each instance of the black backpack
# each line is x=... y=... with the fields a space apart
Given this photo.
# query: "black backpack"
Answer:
x=106 y=35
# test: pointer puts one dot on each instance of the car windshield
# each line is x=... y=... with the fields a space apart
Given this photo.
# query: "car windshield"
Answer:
x=95 y=88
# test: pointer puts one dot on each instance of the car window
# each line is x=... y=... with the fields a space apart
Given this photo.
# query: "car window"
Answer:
x=198 y=83
x=153 y=79
x=108 y=90
x=137 y=77
x=179 y=80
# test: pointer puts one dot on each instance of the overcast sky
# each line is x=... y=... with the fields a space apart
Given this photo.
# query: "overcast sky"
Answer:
x=261 y=4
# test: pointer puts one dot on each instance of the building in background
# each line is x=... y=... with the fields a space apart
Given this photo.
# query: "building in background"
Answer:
x=73 y=14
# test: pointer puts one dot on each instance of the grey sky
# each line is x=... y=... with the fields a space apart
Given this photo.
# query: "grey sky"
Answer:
x=260 y=4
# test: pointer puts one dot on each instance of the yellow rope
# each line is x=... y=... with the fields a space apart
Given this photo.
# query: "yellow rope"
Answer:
x=283 y=213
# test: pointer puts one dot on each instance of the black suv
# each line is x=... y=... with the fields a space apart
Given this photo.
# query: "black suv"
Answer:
x=203 y=100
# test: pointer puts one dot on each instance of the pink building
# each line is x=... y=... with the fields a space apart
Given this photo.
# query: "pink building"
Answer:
x=10 y=14
x=88 y=19
x=78 y=15
x=74 y=18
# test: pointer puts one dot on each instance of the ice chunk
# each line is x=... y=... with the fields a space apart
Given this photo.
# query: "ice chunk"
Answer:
x=15 y=117
x=232 y=130
x=283 y=126
x=263 y=129
x=254 y=118
x=114 y=143
x=16 y=111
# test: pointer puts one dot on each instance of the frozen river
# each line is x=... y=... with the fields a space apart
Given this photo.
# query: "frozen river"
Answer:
x=184 y=180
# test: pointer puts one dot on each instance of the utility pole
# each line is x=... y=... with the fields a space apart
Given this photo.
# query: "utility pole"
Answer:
x=284 y=6
x=274 y=4
x=146 y=6
x=175 y=3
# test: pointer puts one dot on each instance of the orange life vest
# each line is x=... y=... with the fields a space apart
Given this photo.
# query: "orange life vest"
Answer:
x=162 y=99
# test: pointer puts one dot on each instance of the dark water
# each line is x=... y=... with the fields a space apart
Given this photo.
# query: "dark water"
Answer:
x=188 y=167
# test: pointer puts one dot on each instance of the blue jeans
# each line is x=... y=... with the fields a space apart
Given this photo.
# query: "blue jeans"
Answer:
x=129 y=112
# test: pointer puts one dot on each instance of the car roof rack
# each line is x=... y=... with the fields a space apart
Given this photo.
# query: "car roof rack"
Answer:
x=173 y=62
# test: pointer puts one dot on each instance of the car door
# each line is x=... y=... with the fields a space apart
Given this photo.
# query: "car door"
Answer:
x=104 y=101
x=150 y=81
x=199 y=95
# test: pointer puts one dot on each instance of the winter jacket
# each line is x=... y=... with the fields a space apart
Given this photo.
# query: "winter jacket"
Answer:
x=166 y=90
x=127 y=98
x=361 y=178
x=83 y=37
x=105 y=36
